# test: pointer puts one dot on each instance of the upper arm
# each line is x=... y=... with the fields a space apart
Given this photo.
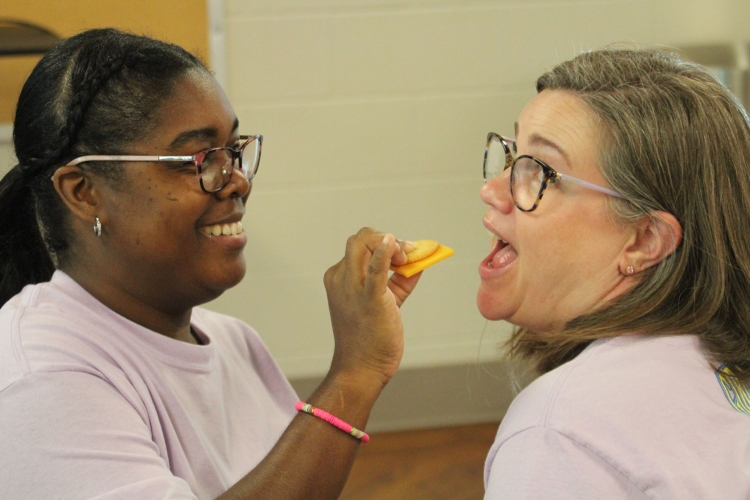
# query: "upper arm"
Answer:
x=71 y=434
x=541 y=463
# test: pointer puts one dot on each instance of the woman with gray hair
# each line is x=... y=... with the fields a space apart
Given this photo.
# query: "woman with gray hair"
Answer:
x=621 y=213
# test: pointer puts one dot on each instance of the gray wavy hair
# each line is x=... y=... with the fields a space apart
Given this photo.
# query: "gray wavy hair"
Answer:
x=674 y=139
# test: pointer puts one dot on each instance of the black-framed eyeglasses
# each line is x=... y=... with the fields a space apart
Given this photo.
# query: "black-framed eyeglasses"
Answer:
x=529 y=176
x=214 y=167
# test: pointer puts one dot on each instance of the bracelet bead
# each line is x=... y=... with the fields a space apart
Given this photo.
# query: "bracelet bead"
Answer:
x=334 y=421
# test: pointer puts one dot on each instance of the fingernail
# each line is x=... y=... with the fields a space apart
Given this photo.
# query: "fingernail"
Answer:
x=388 y=238
x=406 y=245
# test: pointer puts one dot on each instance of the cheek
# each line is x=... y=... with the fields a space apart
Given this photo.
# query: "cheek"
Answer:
x=558 y=246
x=544 y=243
x=154 y=215
x=574 y=253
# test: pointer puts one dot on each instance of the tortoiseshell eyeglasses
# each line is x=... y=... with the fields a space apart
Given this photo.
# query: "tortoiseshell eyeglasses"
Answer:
x=529 y=176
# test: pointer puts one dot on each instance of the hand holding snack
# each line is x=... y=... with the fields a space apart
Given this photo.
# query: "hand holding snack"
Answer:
x=424 y=254
x=364 y=305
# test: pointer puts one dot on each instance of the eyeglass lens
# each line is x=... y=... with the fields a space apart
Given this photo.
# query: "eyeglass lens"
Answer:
x=494 y=161
x=217 y=166
x=526 y=181
x=526 y=176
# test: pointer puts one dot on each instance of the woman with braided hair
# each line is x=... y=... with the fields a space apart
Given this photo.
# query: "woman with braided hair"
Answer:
x=122 y=216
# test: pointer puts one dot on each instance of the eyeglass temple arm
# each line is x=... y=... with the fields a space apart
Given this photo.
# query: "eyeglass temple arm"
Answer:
x=589 y=185
x=84 y=159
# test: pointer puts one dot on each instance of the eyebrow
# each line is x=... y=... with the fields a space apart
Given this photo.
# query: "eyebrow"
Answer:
x=537 y=139
x=206 y=134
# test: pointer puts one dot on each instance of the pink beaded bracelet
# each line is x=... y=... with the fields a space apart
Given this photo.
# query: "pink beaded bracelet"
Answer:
x=334 y=421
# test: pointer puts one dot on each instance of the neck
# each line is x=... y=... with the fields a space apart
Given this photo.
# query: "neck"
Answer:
x=159 y=316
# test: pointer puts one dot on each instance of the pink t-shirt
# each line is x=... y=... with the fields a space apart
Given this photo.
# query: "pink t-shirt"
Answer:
x=93 y=405
x=630 y=417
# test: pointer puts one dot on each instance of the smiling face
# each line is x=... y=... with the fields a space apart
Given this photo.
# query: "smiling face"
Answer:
x=560 y=261
x=161 y=231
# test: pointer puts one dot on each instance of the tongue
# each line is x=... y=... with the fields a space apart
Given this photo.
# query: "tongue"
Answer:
x=504 y=257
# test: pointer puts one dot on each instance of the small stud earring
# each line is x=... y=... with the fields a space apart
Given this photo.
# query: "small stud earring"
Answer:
x=629 y=270
x=98 y=227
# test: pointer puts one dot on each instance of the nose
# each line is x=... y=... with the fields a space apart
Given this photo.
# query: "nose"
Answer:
x=496 y=193
x=237 y=187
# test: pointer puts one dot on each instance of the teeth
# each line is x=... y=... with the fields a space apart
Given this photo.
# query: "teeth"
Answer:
x=232 y=229
x=495 y=237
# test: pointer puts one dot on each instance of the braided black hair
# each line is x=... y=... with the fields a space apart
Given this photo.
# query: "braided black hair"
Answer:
x=94 y=93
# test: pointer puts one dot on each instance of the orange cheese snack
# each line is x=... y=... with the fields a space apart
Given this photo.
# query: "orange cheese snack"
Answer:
x=424 y=254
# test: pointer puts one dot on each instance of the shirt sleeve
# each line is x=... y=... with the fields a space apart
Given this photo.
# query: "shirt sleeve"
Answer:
x=541 y=463
x=71 y=435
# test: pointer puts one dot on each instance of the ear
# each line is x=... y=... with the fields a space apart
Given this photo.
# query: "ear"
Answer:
x=77 y=191
x=656 y=237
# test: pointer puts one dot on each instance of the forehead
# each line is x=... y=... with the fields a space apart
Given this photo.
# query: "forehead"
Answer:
x=559 y=122
x=558 y=116
x=196 y=103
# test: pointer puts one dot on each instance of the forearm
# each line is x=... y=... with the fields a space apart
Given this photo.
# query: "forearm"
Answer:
x=313 y=458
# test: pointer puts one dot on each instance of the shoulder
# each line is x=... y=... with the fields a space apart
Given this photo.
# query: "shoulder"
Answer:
x=42 y=327
x=540 y=462
x=617 y=377
x=642 y=406
x=54 y=331
x=634 y=379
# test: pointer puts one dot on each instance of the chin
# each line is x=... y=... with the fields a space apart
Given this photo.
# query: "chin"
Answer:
x=233 y=279
x=220 y=281
x=492 y=307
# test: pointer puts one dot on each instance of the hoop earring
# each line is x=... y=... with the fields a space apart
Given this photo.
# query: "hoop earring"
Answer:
x=629 y=270
x=98 y=227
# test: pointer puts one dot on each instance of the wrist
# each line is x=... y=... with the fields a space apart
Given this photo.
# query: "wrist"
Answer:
x=349 y=394
x=366 y=367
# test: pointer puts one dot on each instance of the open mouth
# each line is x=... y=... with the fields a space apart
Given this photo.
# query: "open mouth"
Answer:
x=502 y=255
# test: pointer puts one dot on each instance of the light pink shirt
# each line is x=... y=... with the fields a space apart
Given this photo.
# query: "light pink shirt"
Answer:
x=93 y=405
x=630 y=417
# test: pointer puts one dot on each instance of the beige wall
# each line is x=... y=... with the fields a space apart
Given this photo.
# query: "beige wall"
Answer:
x=375 y=113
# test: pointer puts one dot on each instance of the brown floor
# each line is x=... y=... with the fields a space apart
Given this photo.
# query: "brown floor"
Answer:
x=432 y=464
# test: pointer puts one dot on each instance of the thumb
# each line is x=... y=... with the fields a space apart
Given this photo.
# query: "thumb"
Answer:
x=376 y=279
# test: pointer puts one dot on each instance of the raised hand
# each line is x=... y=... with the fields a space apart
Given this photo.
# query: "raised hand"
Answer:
x=364 y=305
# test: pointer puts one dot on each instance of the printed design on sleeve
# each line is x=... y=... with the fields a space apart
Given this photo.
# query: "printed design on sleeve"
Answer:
x=737 y=394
